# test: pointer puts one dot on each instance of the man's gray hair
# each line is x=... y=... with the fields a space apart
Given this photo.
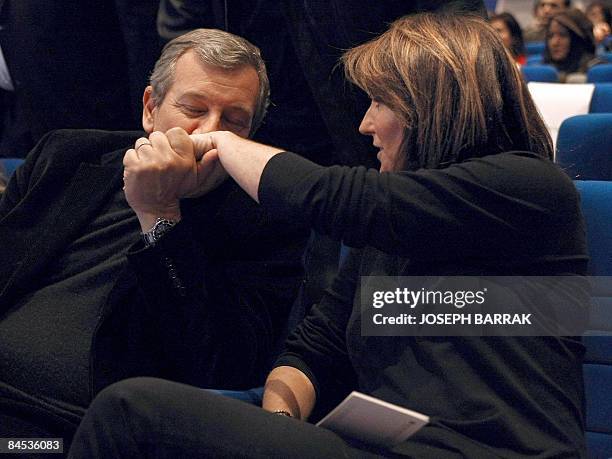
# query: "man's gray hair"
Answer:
x=218 y=49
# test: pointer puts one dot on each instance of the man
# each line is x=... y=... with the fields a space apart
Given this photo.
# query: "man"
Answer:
x=200 y=298
x=543 y=10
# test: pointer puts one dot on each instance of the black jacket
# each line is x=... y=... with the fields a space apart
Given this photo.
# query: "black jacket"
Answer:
x=205 y=306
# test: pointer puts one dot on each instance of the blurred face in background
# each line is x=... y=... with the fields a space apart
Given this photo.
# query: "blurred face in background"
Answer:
x=559 y=41
x=504 y=32
x=548 y=8
x=595 y=14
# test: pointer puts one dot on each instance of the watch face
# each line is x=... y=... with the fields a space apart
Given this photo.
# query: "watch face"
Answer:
x=161 y=227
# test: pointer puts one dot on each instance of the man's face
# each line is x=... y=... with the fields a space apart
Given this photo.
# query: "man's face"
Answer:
x=548 y=8
x=203 y=98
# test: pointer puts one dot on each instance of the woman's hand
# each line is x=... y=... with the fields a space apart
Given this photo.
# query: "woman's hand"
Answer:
x=243 y=159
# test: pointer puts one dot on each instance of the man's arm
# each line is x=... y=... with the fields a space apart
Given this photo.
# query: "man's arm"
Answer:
x=220 y=283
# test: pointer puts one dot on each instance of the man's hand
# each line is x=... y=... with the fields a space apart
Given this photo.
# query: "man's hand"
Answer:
x=161 y=170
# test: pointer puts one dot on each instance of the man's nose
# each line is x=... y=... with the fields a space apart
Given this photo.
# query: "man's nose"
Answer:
x=211 y=122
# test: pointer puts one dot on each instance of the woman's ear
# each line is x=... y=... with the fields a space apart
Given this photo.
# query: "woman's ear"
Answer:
x=148 y=110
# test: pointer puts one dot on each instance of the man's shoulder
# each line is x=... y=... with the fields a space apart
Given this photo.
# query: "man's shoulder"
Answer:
x=88 y=141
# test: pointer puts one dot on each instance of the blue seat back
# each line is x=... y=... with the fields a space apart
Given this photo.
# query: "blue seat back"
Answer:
x=601 y=102
x=584 y=146
x=534 y=59
x=601 y=73
x=541 y=73
x=536 y=47
x=596 y=197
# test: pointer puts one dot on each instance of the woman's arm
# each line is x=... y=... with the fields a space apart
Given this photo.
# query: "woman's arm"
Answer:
x=455 y=213
x=288 y=389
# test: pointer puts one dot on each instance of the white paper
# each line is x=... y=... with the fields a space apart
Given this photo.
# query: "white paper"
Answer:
x=373 y=421
x=557 y=102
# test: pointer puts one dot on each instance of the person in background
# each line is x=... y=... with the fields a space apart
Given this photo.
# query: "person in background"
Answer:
x=600 y=15
x=466 y=186
x=65 y=68
x=543 y=10
x=570 y=46
x=511 y=34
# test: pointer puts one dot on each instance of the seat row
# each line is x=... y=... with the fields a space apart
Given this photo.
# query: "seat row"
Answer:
x=545 y=73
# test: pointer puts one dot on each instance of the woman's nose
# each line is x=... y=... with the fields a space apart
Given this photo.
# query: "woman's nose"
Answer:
x=366 y=126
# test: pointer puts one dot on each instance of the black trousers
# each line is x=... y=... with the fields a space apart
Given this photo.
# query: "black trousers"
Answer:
x=153 y=418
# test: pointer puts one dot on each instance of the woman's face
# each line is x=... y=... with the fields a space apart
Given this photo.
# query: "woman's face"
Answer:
x=387 y=133
x=504 y=32
x=559 y=41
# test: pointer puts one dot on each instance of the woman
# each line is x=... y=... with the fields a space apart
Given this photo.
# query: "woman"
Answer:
x=511 y=34
x=570 y=46
x=466 y=187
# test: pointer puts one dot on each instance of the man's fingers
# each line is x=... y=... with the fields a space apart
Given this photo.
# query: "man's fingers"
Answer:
x=130 y=158
x=159 y=141
x=141 y=143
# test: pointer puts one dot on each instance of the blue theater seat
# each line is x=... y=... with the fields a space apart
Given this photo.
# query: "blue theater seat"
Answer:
x=541 y=73
x=584 y=146
x=601 y=102
x=536 y=47
x=601 y=73
x=534 y=59
x=597 y=209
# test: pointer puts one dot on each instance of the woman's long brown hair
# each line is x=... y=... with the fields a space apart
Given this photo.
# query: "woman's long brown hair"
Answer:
x=456 y=88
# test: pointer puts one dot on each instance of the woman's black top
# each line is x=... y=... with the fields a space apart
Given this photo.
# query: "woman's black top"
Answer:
x=512 y=213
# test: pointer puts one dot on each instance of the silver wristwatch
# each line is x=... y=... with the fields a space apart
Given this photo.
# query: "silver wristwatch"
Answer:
x=161 y=227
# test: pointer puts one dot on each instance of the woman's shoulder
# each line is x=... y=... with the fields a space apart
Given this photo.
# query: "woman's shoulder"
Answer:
x=522 y=173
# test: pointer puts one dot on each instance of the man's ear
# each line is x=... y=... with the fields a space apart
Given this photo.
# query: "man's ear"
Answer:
x=148 y=108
